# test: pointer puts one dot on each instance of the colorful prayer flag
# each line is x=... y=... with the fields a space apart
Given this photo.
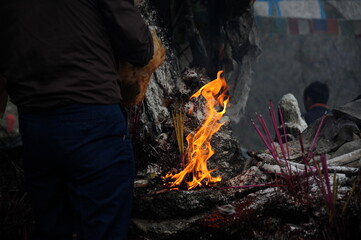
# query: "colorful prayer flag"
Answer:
x=303 y=26
x=280 y=25
x=293 y=26
x=319 y=25
x=357 y=28
x=332 y=26
x=346 y=27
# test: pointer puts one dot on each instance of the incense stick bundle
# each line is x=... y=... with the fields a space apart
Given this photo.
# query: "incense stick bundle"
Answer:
x=178 y=122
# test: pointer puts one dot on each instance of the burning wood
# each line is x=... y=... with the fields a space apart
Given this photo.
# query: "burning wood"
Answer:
x=199 y=150
x=346 y=158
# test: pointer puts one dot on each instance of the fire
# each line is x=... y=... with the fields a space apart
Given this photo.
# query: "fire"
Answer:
x=199 y=150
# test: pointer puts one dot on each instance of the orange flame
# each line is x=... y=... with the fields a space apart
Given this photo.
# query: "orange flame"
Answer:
x=199 y=150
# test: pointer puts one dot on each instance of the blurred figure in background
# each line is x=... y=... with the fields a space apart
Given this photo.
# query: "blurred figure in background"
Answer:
x=315 y=99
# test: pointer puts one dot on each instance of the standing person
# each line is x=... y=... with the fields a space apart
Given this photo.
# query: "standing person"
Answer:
x=60 y=62
x=315 y=99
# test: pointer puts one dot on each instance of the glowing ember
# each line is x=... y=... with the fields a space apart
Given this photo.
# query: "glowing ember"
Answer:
x=199 y=150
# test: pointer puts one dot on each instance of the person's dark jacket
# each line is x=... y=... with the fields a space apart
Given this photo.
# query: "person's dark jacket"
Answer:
x=315 y=113
x=56 y=52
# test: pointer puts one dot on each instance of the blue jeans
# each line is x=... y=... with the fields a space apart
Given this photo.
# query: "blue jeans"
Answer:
x=79 y=171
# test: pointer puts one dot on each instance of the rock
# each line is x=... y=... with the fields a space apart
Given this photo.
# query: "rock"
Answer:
x=163 y=229
x=291 y=113
x=347 y=147
x=351 y=111
x=178 y=204
x=227 y=160
x=334 y=133
x=251 y=176
x=227 y=209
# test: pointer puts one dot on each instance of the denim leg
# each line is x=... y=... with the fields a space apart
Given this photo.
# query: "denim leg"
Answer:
x=45 y=180
x=88 y=161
